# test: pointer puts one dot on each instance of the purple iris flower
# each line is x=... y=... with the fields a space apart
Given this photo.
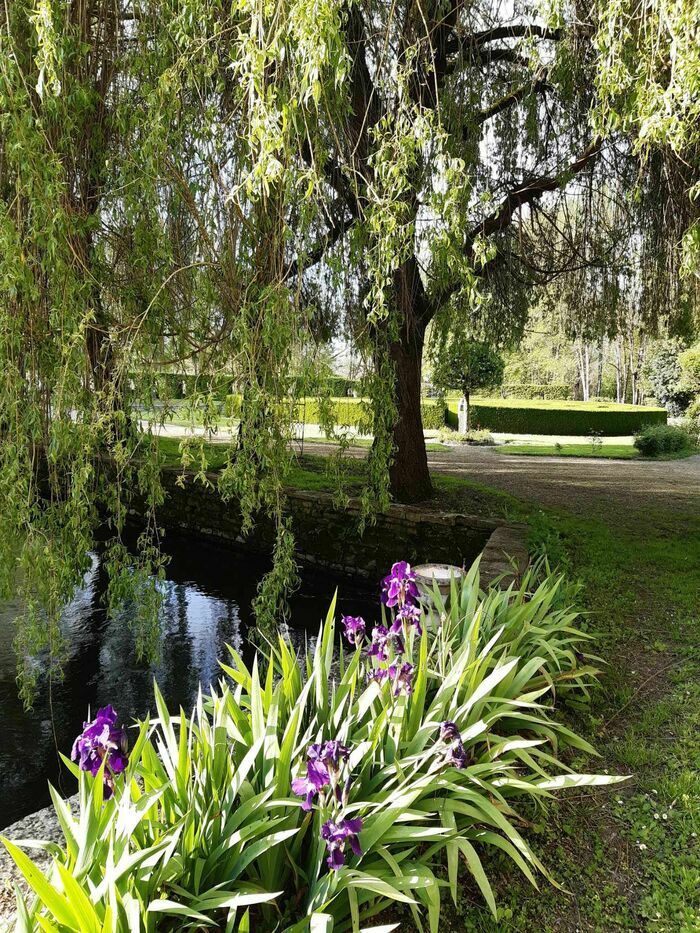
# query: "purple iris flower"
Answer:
x=336 y=835
x=449 y=732
x=399 y=586
x=355 y=628
x=457 y=757
x=403 y=679
x=102 y=740
x=316 y=779
x=408 y=614
x=323 y=764
x=380 y=635
x=334 y=753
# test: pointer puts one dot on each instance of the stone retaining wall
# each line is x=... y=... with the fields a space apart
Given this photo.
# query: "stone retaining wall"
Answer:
x=327 y=536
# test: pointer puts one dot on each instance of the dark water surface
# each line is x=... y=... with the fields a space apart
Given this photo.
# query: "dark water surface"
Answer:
x=207 y=605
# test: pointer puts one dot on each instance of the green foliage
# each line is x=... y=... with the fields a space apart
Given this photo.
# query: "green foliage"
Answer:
x=346 y=412
x=662 y=439
x=564 y=418
x=664 y=375
x=479 y=438
x=648 y=84
x=690 y=369
x=202 y=828
x=469 y=364
x=339 y=386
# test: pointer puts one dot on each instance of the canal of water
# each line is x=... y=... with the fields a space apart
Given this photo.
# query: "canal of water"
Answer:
x=207 y=605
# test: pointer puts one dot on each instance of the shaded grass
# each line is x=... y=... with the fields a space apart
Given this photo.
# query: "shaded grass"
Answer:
x=629 y=859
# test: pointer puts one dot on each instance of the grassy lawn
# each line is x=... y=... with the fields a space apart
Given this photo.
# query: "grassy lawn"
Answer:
x=628 y=858
x=607 y=451
x=603 y=451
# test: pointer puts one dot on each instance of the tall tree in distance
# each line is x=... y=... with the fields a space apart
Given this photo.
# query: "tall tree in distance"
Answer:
x=469 y=365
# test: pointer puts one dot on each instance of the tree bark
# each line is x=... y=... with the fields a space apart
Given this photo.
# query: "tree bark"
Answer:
x=409 y=474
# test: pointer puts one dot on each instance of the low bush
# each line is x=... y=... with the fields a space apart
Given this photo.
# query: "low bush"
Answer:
x=566 y=418
x=478 y=438
x=315 y=794
x=175 y=386
x=662 y=439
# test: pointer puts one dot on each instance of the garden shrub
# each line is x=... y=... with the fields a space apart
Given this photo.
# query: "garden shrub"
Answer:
x=340 y=387
x=693 y=416
x=528 y=390
x=176 y=386
x=662 y=439
x=232 y=405
x=567 y=418
x=478 y=438
x=326 y=788
x=348 y=412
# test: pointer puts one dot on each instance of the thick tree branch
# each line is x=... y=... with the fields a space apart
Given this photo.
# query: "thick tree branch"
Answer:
x=335 y=232
x=500 y=219
x=516 y=31
x=432 y=63
x=537 y=85
x=531 y=191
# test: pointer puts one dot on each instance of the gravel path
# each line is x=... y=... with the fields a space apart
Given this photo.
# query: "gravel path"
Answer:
x=579 y=484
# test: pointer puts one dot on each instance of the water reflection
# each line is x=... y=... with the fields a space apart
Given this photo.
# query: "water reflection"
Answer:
x=207 y=605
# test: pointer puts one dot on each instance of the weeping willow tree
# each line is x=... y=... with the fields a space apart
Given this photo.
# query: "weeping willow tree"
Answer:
x=177 y=177
x=648 y=87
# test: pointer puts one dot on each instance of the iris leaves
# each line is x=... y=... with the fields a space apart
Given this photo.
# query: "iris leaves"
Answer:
x=203 y=831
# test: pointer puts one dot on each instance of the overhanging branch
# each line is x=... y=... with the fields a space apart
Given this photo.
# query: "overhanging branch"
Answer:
x=531 y=191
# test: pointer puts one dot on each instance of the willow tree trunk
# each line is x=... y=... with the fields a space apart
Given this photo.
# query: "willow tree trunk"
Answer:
x=409 y=474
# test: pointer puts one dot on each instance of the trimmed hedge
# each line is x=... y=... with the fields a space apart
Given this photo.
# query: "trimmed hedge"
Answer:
x=175 y=386
x=510 y=416
x=559 y=391
x=348 y=411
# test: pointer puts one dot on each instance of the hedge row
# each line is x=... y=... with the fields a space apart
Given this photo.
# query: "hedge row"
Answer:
x=347 y=411
x=554 y=390
x=169 y=386
x=549 y=391
x=565 y=417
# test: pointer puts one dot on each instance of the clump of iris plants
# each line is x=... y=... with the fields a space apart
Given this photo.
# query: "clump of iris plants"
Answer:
x=102 y=741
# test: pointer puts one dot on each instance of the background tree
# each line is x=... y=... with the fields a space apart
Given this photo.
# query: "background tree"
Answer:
x=648 y=86
x=664 y=376
x=469 y=365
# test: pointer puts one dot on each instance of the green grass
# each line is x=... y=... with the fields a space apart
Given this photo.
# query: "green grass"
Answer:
x=607 y=451
x=364 y=442
x=602 y=451
x=630 y=859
